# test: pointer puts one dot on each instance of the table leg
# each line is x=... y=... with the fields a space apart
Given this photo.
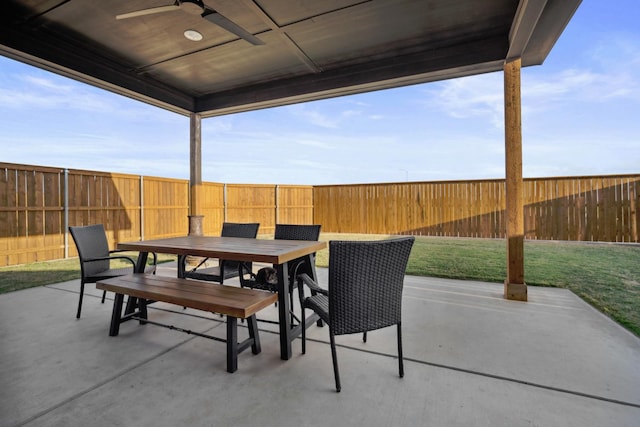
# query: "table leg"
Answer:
x=283 y=311
x=116 y=314
x=142 y=262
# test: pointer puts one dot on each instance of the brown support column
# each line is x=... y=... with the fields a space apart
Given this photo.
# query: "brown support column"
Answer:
x=195 y=179
x=514 y=285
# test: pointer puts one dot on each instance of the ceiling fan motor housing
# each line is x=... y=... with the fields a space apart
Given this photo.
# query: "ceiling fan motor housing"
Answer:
x=194 y=7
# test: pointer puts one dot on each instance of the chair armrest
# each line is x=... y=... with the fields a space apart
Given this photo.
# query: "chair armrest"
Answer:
x=115 y=251
x=243 y=268
x=109 y=258
x=155 y=258
x=306 y=280
x=293 y=271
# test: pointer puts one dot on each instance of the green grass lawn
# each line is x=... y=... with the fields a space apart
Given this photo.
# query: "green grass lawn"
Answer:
x=45 y=273
x=605 y=275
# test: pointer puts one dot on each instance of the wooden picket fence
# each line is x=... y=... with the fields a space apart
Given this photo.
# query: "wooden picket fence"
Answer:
x=593 y=208
x=38 y=204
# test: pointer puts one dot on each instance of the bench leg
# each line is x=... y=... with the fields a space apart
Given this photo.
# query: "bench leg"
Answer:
x=232 y=344
x=252 y=323
x=116 y=314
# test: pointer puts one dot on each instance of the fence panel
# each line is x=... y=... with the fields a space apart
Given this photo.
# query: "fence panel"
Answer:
x=212 y=205
x=294 y=204
x=166 y=207
x=252 y=203
x=105 y=198
x=31 y=214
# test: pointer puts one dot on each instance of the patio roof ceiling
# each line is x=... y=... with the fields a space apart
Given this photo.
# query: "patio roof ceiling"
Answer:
x=312 y=49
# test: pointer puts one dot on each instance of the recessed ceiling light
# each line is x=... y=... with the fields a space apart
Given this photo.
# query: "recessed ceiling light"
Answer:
x=193 y=35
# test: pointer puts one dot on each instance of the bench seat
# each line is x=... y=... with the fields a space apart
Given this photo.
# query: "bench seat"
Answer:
x=231 y=301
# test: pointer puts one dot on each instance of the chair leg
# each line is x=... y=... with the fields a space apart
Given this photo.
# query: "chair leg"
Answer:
x=364 y=336
x=182 y=259
x=334 y=356
x=400 y=362
x=80 y=300
x=104 y=294
x=291 y=306
x=304 y=332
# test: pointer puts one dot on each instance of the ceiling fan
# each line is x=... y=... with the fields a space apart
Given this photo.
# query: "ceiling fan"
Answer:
x=197 y=7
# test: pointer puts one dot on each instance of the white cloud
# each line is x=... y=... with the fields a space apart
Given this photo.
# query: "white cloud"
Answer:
x=482 y=96
x=471 y=97
x=312 y=114
x=310 y=141
x=37 y=90
x=377 y=117
x=34 y=91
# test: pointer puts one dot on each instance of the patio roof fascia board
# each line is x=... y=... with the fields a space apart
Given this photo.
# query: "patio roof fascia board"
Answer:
x=477 y=57
x=524 y=24
x=554 y=19
x=488 y=67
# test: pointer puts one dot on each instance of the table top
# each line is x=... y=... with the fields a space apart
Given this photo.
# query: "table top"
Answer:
x=230 y=248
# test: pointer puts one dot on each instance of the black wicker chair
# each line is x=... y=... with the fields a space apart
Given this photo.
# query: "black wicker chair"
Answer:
x=284 y=232
x=225 y=269
x=95 y=258
x=365 y=291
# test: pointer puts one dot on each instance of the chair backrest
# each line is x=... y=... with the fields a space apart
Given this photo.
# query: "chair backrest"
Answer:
x=91 y=242
x=297 y=232
x=365 y=283
x=235 y=229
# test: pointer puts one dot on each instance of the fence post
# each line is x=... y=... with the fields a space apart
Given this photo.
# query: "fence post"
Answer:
x=634 y=201
x=277 y=207
x=141 y=207
x=224 y=201
x=66 y=213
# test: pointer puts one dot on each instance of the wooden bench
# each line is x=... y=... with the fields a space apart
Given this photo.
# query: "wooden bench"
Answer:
x=231 y=301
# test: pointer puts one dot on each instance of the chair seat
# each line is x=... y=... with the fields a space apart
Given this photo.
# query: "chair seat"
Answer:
x=211 y=273
x=115 y=272
x=320 y=304
x=254 y=284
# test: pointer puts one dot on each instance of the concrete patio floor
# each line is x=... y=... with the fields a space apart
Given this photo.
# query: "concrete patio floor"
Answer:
x=471 y=359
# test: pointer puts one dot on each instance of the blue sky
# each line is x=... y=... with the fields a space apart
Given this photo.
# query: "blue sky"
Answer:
x=580 y=117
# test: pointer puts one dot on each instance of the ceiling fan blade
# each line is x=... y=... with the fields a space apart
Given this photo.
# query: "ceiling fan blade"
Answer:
x=214 y=17
x=151 y=11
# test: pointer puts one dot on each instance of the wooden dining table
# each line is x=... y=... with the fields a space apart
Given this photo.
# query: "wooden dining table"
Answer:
x=276 y=252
